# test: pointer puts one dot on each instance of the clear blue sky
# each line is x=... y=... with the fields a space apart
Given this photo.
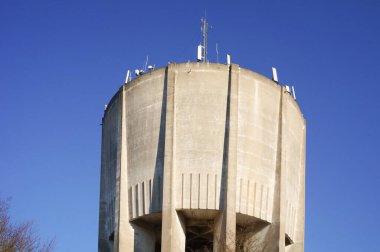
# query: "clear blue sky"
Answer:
x=61 y=62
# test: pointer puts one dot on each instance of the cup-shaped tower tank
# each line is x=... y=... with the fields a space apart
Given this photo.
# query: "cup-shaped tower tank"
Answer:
x=202 y=157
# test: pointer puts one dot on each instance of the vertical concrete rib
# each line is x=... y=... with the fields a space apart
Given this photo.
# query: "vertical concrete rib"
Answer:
x=124 y=234
x=298 y=245
x=300 y=225
x=276 y=239
x=173 y=229
x=225 y=226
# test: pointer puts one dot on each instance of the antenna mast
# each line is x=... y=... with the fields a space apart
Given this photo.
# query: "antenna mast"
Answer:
x=204 y=29
x=217 y=53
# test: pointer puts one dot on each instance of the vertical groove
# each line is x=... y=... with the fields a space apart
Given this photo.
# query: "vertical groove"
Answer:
x=266 y=204
x=130 y=202
x=199 y=189
x=247 y=205
x=207 y=191
x=143 y=197
x=133 y=190
x=288 y=213
x=261 y=200
x=191 y=187
x=254 y=198
x=159 y=194
x=216 y=189
x=150 y=194
x=240 y=194
x=182 y=191
x=289 y=220
x=293 y=220
x=137 y=200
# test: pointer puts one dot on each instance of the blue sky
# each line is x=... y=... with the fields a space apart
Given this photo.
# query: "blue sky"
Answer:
x=61 y=62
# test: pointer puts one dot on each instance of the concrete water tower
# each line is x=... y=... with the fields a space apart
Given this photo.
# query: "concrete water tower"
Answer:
x=202 y=157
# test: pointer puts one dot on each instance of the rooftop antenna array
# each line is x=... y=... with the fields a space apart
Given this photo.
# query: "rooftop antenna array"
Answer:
x=291 y=90
x=146 y=67
x=202 y=49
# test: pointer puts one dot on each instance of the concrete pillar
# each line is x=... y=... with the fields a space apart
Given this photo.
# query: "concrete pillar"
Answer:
x=124 y=233
x=225 y=224
x=173 y=226
x=276 y=233
x=299 y=238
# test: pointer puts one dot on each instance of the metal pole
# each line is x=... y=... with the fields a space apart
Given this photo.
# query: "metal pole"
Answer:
x=205 y=26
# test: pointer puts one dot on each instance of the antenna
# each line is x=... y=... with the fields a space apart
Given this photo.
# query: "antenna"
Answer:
x=287 y=89
x=204 y=30
x=139 y=72
x=294 y=93
x=146 y=63
x=228 y=59
x=199 y=54
x=274 y=72
x=128 y=77
x=217 y=53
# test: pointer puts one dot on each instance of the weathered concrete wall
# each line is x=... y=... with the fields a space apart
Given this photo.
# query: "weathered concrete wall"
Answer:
x=211 y=142
x=200 y=115
x=110 y=162
x=144 y=101
x=259 y=109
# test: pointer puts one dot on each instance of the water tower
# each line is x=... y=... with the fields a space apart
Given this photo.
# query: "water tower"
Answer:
x=202 y=157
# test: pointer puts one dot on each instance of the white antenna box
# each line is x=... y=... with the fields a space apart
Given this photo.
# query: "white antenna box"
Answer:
x=274 y=73
x=228 y=59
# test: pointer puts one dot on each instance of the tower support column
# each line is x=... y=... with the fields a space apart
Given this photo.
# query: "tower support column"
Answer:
x=299 y=238
x=275 y=232
x=124 y=233
x=173 y=225
x=225 y=223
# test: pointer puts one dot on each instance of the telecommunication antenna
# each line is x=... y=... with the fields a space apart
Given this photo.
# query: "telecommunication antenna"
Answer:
x=287 y=89
x=228 y=59
x=274 y=73
x=128 y=77
x=199 y=53
x=146 y=63
x=294 y=93
x=217 y=53
x=204 y=30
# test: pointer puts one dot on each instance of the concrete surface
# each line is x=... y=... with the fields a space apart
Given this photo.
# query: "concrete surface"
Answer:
x=198 y=155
